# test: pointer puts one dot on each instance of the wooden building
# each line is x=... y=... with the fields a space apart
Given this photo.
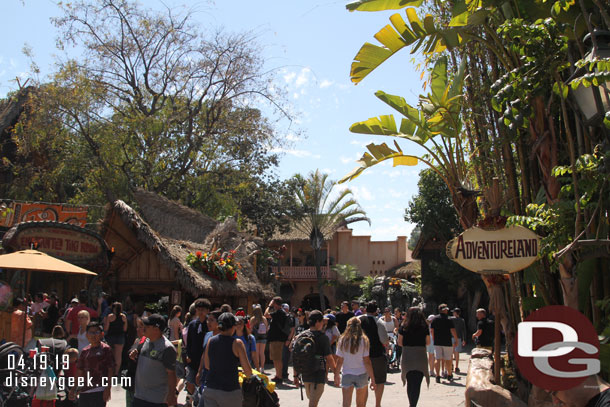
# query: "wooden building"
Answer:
x=150 y=253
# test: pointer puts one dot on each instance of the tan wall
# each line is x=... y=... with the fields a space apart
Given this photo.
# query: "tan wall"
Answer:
x=371 y=258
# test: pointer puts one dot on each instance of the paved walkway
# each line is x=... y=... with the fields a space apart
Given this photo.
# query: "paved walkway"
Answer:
x=444 y=395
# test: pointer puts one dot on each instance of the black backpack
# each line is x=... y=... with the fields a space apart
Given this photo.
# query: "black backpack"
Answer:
x=304 y=358
x=255 y=394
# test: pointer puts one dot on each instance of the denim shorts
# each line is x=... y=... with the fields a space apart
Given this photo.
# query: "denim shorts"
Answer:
x=191 y=374
x=358 y=381
x=458 y=347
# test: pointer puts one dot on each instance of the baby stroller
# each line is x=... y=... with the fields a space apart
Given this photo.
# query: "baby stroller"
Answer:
x=13 y=372
x=392 y=355
x=255 y=394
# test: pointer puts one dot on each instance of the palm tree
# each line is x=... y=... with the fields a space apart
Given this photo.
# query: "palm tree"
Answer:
x=323 y=214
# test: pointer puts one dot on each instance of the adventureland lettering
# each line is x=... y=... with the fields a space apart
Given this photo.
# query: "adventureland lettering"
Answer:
x=496 y=249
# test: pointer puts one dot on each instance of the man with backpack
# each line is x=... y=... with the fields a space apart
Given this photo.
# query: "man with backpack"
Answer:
x=311 y=357
x=378 y=338
x=277 y=337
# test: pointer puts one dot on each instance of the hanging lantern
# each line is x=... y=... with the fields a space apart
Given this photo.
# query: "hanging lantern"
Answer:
x=593 y=101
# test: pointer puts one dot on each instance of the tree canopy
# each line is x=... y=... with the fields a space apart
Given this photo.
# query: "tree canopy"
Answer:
x=151 y=102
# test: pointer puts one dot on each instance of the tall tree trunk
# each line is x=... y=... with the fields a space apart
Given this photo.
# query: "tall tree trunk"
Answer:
x=316 y=259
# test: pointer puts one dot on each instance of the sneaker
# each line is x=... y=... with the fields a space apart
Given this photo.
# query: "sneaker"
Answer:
x=277 y=380
x=438 y=379
x=457 y=370
x=450 y=377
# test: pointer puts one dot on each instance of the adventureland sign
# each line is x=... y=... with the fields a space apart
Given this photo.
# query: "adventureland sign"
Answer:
x=495 y=251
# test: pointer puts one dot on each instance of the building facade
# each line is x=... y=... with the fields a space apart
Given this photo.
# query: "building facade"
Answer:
x=297 y=270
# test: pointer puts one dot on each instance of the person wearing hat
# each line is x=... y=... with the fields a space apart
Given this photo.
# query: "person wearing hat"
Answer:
x=314 y=381
x=332 y=332
x=96 y=366
x=155 y=382
x=286 y=349
x=222 y=357
x=50 y=315
x=441 y=331
x=460 y=329
x=72 y=317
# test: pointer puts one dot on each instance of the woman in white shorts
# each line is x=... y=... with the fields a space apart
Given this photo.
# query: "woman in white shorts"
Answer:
x=430 y=347
x=354 y=363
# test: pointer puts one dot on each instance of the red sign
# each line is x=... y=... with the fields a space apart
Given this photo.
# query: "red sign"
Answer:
x=36 y=212
x=557 y=348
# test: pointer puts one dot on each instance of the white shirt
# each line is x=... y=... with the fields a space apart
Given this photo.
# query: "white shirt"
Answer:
x=353 y=363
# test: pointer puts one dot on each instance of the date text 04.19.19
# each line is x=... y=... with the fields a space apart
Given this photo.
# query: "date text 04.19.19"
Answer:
x=40 y=362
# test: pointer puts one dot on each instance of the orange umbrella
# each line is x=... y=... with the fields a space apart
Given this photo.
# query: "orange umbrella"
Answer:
x=39 y=261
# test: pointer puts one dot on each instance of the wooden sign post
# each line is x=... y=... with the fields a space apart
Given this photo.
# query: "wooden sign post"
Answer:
x=494 y=251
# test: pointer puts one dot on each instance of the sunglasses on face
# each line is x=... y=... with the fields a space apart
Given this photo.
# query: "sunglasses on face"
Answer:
x=92 y=333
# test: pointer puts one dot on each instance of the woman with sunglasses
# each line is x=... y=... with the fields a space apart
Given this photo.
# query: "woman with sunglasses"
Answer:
x=242 y=332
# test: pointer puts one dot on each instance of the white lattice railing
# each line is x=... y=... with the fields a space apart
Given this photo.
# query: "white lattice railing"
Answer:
x=304 y=273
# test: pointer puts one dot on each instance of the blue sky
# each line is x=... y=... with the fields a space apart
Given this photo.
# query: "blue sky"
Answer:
x=310 y=44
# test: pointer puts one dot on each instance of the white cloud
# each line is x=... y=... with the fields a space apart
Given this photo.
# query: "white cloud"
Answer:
x=361 y=144
x=289 y=77
x=296 y=153
x=292 y=137
x=396 y=194
x=346 y=160
x=303 y=77
x=325 y=84
x=362 y=193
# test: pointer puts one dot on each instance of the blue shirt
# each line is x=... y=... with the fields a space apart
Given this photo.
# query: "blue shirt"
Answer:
x=250 y=346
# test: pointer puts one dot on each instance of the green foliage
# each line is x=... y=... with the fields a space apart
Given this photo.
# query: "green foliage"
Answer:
x=432 y=209
x=436 y=126
x=348 y=283
x=367 y=288
x=414 y=237
x=322 y=213
x=151 y=103
x=543 y=52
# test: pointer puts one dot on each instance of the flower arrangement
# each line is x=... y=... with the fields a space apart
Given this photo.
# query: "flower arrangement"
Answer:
x=216 y=264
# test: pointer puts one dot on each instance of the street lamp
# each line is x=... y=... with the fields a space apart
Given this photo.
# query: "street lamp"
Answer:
x=593 y=101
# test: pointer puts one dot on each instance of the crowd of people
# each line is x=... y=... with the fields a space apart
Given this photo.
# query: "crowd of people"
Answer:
x=201 y=351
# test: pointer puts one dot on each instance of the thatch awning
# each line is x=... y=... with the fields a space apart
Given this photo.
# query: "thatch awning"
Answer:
x=172 y=253
x=405 y=270
x=296 y=235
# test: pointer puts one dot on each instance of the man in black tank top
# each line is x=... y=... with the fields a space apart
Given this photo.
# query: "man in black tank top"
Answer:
x=378 y=338
x=222 y=357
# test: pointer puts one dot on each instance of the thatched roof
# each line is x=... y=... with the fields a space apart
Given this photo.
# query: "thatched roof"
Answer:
x=172 y=253
x=405 y=270
x=294 y=234
x=172 y=220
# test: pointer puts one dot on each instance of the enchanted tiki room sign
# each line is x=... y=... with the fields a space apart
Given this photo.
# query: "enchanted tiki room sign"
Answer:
x=501 y=251
x=70 y=243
